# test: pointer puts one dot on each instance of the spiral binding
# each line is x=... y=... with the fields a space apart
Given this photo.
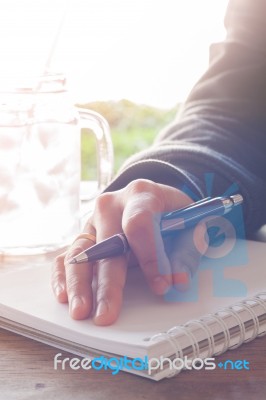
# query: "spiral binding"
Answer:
x=175 y=346
x=206 y=329
x=241 y=326
x=263 y=305
x=171 y=336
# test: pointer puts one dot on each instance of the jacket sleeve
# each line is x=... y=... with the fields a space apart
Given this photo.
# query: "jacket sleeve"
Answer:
x=221 y=130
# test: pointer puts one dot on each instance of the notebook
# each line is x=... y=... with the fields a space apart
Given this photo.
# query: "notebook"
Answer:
x=193 y=326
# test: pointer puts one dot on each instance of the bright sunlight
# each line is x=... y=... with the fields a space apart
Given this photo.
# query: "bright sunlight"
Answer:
x=148 y=51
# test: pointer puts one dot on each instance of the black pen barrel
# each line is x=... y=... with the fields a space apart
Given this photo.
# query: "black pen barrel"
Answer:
x=112 y=247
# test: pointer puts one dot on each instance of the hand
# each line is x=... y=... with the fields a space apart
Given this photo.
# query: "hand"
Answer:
x=135 y=210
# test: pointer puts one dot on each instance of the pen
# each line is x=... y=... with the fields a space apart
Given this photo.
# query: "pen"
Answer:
x=184 y=218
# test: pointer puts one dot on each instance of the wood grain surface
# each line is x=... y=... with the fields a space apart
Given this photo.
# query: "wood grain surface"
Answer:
x=27 y=372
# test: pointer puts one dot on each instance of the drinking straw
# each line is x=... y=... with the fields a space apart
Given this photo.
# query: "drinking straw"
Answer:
x=51 y=53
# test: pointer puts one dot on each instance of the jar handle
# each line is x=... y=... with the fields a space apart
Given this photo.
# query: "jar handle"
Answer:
x=105 y=158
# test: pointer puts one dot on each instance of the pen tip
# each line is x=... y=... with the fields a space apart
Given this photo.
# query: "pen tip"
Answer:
x=73 y=261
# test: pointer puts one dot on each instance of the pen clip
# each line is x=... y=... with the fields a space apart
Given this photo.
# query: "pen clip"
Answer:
x=175 y=213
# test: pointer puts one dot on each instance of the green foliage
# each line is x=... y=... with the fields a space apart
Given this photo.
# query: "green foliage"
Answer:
x=133 y=128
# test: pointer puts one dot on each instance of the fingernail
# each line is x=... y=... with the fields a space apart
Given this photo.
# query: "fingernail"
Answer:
x=76 y=302
x=160 y=285
x=182 y=280
x=102 y=308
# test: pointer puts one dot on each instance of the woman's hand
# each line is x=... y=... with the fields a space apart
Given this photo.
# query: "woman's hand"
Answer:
x=135 y=210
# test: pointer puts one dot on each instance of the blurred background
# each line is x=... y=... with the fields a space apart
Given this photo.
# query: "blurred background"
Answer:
x=134 y=61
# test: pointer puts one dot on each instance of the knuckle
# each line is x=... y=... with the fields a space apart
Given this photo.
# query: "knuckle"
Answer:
x=106 y=289
x=140 y=186
x=103 y=202
x=102 y=288
x=143 y=191
x=57 y=276
x=148 y=264
x=59 y=260
x=137 y=222
x=73 y=251
x=74 y=285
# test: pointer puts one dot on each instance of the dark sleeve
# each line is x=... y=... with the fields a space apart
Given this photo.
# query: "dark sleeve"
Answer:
x=219 y=137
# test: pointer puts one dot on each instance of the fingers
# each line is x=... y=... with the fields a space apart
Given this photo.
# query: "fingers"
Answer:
x=58 y=279
x=136 y=210
x=79 y=282
x=144 y=201
x=111 y=273
x=185 y=253
x=143 y=234
x=72 y=282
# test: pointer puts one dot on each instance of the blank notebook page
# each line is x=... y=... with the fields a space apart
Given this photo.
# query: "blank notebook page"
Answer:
x=26 y=297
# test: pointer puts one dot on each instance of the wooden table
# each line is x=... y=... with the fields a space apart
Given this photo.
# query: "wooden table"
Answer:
x=26 y=372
